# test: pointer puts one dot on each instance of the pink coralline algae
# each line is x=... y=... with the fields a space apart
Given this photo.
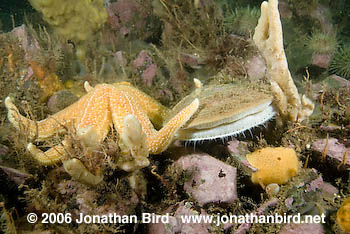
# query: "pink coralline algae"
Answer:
x=319 y=185
x=28 y=43
x=244 y=227
x=321 y=60
x=238 y=147
x=176 y=225
x=211 y=180
x=149 y=74
x=333 y=149
x=142 y=60
x=120 y=59
x=256 y=68
x=144 y=65
x=190 y=60
x=301 y=228
x=126 y=16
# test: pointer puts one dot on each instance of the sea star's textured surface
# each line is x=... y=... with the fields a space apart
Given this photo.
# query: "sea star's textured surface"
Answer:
x=95 y=113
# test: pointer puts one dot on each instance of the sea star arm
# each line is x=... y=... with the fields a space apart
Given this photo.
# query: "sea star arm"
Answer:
x=124 y=102
x=43 y=129
x=91 y=127
x=155 y=111
x=87 y=86
x=95 y=120
x=51 y=156
x=159 y=141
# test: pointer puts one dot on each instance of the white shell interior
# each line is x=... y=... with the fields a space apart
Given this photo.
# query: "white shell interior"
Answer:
x=252 y=119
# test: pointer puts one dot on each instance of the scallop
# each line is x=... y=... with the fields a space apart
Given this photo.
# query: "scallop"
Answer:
x=225 y=110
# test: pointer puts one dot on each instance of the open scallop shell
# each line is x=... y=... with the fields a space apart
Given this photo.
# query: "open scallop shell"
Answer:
x=225 y=110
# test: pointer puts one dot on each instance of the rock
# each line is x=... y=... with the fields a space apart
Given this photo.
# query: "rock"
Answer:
x=166 y=94
x=321 y=60
x=329 y=189
x=211 y=180
x=120 y=59
x=239 y=150
x=29 y=74
x=143 y=59
x=332 y=81
x=185 y=209
x=149 y=74
x=315 y=184
x=334 y=150
x=60 y=100
x=190 y=60
x=165 y=228
x=128 y=17
x=318 y=184
x=176 y=225
x=284 y=9
x=256 y=68
x=244 y=227
x=3 y=150
x=330 y=127
x=14 y=175
x=237 y=147
x=28 y=43
x=340 y=81
x=302 y=228
x=144 y=65
x=289 y=202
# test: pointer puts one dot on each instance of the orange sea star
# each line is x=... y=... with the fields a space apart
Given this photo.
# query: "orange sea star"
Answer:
x=95 y=113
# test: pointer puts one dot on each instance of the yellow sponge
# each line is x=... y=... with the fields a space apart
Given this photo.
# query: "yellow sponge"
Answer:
x=275 y=165
x=75 y=20
x=343 y=215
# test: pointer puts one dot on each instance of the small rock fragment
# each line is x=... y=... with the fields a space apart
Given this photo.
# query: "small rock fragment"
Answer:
x=185 y=209
x=238 y=147
x=18 y=177
x=190 y=60
x=176 y=225
x=149 y=74
x=321 y=60
x=244 y=227
x=302 y=228
x=256 y=68
x=143 y=59
x=120 y=59
x=27 y=41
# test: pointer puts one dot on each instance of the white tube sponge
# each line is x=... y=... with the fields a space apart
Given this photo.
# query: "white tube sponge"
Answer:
x=134 y=140
x=268 y=38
